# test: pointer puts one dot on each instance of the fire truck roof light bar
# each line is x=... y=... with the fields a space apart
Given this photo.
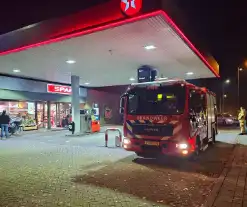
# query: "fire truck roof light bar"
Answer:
x=158 y=82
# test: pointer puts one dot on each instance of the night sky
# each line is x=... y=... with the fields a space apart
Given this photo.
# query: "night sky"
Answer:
x=222 y=26
x=219 y=26
x=17 y=14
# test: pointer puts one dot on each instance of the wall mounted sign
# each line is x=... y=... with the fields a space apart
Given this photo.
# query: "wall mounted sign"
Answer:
x=108 y=113
x=131 y=7
x=52 y=88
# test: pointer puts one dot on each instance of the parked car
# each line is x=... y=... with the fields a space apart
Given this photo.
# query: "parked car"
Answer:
x=227 y=119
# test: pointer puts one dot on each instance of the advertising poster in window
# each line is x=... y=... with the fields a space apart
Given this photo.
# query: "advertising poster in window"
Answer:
x=30 y=108
x=107 y=113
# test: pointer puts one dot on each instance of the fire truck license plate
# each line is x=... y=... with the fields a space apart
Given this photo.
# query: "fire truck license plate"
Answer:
x=152 y=143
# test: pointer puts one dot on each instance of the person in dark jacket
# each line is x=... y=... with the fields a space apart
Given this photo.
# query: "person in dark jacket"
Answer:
x=4 y=121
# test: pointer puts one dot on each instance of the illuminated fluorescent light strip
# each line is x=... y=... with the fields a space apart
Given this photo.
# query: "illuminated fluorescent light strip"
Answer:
x=150 y=47
x=190 y=73
x=16 y=70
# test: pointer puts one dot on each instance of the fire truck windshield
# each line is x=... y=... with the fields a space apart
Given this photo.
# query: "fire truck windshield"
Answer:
x=164 y=100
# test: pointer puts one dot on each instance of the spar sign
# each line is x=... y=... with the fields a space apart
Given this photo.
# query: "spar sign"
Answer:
x=59 y=89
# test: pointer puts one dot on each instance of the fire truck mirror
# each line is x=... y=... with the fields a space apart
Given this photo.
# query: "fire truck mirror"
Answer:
x=121 y=111
x=122 y=102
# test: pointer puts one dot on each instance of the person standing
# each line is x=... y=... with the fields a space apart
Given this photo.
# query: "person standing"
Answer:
x=241 y=118
x=4 y=121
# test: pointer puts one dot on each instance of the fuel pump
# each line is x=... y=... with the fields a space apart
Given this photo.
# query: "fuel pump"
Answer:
x=84 y=120
x=95 y=118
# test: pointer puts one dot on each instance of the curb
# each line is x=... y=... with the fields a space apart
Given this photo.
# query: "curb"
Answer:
x=219 y=181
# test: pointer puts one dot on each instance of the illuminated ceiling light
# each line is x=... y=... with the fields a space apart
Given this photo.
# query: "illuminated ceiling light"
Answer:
x=132 y=79
x=228 y=81
x=71 y=61
x=190 y=73
x=150 y=47
x=16 y=70
x=87 y=83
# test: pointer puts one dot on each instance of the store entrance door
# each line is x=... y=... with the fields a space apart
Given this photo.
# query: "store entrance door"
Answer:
x=59 y=111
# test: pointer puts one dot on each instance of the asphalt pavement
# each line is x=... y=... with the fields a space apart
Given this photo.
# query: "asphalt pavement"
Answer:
x=231 y=135
x=51 y=169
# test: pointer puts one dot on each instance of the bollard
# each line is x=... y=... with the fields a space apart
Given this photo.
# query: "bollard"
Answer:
x=106 y=139
x=118 y=139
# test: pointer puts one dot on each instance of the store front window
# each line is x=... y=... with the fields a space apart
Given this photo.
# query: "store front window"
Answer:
x=14 y=108
x=59 y=111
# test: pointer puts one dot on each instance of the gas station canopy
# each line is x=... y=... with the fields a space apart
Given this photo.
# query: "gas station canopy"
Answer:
x=110 y=54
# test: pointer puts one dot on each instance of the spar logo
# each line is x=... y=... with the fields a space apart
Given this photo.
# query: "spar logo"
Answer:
x=131 y=7
x=52 y=88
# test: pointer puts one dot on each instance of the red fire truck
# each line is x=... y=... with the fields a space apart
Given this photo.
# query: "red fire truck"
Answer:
x=168 y=117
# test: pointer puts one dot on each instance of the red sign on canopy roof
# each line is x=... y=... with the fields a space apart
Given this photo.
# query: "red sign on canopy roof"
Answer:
x=52 y=88
x=131 y=7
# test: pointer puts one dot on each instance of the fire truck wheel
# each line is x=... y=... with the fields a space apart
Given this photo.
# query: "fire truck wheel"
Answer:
x=198 y=146
x=213 y=138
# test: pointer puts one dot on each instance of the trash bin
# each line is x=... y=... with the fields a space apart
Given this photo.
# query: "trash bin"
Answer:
x=72 y=127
